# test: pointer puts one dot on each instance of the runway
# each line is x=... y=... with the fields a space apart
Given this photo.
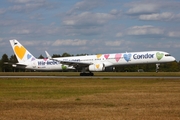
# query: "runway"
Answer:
x=114 y=77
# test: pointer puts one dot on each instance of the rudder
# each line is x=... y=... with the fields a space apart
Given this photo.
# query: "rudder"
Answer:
x=22 y=54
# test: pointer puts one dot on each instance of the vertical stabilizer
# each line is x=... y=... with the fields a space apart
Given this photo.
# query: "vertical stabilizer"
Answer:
x=22 y=54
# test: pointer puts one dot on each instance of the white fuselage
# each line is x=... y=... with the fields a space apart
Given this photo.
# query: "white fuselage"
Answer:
x=107 y=60
x=97 y=62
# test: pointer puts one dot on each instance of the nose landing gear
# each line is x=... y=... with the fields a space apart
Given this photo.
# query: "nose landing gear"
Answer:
x=157 y=67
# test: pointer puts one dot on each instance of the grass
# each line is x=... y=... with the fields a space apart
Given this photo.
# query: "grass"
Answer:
x=87 y=98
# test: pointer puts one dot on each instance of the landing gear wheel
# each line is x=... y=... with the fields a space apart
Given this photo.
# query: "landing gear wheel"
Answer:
x=157 y=67
x=91 y=74
x=82 y=74
x=86 y=74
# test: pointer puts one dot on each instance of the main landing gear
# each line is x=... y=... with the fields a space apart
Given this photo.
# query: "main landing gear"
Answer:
x=86 y=74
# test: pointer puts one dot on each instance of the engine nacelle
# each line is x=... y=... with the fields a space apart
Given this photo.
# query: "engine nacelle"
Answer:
x=97 y=67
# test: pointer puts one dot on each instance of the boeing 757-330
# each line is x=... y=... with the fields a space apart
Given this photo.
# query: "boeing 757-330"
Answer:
x=90 y=63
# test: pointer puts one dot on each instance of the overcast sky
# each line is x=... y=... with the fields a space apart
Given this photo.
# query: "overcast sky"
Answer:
x=90 y=26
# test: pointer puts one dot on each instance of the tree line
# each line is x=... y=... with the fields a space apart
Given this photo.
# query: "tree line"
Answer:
x=165 y=67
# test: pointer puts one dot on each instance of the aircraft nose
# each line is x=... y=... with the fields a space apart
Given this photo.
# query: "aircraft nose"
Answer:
x=173 y=59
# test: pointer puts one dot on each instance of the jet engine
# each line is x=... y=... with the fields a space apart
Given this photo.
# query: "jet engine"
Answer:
x=97 y=67
x=110 y=69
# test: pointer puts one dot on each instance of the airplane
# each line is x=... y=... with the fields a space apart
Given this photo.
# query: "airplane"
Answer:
x=89 y=63
x=102 y=62
x=27 y=61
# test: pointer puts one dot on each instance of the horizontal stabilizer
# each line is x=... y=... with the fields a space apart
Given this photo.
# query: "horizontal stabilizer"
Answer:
x=16 y=65
x=21 y=64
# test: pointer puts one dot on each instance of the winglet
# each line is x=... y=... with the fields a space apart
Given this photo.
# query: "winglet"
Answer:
x=47 y=54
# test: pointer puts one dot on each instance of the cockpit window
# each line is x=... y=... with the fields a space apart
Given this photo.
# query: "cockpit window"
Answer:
x=167 y=55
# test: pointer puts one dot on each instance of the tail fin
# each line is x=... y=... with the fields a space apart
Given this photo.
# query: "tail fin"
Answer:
x=21 y=53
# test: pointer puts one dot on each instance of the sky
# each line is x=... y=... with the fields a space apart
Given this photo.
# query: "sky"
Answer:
x=90 y=26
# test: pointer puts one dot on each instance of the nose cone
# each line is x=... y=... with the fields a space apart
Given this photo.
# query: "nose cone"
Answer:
x=173 y=59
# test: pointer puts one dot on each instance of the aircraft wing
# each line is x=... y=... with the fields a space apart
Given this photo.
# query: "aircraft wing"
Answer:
x=75 y=63
x=70 y=63
x=16 y=65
